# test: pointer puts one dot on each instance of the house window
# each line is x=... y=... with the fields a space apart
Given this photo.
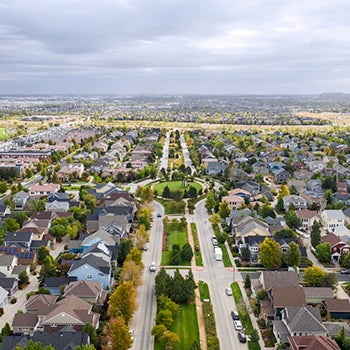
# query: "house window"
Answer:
x=53 y=325
x=89 y=276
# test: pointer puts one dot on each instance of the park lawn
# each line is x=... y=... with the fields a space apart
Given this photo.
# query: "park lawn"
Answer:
x=172 y=207
x=197 y=250
x=175 y=185
x=175 y=235
x=185 y=326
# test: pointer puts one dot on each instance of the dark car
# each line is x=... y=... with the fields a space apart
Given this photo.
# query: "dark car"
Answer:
x=234 y=315
x=345 y=272
x=241 y=336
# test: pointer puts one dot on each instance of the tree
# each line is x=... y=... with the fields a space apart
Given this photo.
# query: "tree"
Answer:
x=162 y=283
x=166 y=192
x=314 y=276
x=292 y=219
x=140 y=237
x=42 y=253
x=285 y=233
x=124 y=248
x=122 y=302
x=144 y=217
x=330 y=183
x=280 y=206
x=135 y=255
x=210 y=202
x=85 y=347
x=247 y=281
x=224 y=210
x=254 y=335
x=23 y=278
x=169 y=339
x=131 y=272
x=35 y=346
x=293 y=255
x=284 y=191
x=90 y=330
x=215 y=219
x=10 y=225
x=344 y=260
x=270 y=253
x=186 y=252
x=315 y=234
x=323 y=251
x=165 y=317
x=3 y=187
x=116 y=335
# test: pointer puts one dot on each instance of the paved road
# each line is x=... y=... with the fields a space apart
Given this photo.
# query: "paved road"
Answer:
x=218 y=278
x=143 y=320
x=164 y=159
x=186 y=153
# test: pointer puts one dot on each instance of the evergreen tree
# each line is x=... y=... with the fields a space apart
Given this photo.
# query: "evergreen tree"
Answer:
x=187 y=252
x=315 y=234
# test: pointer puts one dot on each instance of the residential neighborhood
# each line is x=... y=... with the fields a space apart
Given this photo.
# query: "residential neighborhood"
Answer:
x=88 y=217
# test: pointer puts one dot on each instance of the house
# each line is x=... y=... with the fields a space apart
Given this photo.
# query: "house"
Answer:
x=4 y=210
x=58 y=197
x=214 y=166
x=3 y=297
x=7 y=264
x=293 y=200
x=346 y=213
x=99 y=236
x=38 y=191
x=343 y=198
x=315 y=186
x=70 y=311
x=57 y=206
x=92 y=268
x=39 y=303
x=25 y=323
x=283 y=297
x=312 y=342
x=10 y=284
x=316 y=165
x=91 y=292
x=67 y=339
x=69 y=171
x=56 y=285
x=252 y=243
x=20 y=199
x=331 y=219
x=234 y=202
x=248 y=226
x=251 y=188
x=23 y=239
x=281 y=175
x=307 y=217
x=315 y=295
x=270 y=279
x=301 y=321
x=338 y=247
x=338 y=308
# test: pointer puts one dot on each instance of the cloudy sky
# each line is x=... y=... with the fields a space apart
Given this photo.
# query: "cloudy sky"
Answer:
x=174 y=46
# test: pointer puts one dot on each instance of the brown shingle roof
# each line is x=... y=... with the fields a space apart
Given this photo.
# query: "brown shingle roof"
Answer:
x=313 y=342
x=272 y=279
x=337 y=305
x=318 y=292
x=331 y=238
x=84 y=289
x=306 y=213
x=25 y=320
x=288 y=296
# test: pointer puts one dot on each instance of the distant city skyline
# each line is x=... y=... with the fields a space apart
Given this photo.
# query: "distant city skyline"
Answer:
x=132 y=47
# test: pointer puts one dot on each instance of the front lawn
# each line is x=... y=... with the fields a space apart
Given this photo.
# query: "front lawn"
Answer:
x=175 y=232
x=185 y=326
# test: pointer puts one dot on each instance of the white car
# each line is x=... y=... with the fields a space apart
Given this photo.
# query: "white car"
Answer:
x=238 y=325
x=153 y=266
x=228 y=291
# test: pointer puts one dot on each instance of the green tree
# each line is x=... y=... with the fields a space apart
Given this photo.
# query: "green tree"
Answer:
x=166 y=192
x=224 y=210
x=42 y=253
x=292 y=219
x=162 y=283
x=23 y=278
x=3 y=187
x=254 y=335
x=186 y=252
x=144 y=217
x=35 y=346
x=323 y=251
x=90 y=330
x=270 y=253
x=116 y=335
x=247 y=281
x=280 y=206
x=293 y=255
x=345 y=260
x=315 y=234
x=10 y=225
x=122 y=301
x=210 y=202
x=313 y=276
x=165 y=317
x=85 y=347
x=124 y=248
x=286 y=233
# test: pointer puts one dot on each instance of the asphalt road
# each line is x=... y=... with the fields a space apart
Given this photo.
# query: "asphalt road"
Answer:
x=187 y=159
x=143 y=320
x=164 y=159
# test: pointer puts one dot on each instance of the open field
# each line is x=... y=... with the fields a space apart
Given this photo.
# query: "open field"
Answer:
x=175 y=185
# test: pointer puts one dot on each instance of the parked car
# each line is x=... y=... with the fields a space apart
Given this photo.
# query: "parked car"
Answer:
x=228 y=291
x=234 y=315
x=153 y=266
x=345 y=272
x=238 y=325
x=214 y=241
x=159 y=215
x=241 y=336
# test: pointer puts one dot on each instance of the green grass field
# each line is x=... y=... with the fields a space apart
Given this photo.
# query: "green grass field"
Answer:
x=203 y=291
x=172 y=207
x=3 y=134
x=175 y=185
x=185 y=326
x=176 y=234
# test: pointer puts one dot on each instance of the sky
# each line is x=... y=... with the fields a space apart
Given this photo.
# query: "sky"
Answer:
x=130 y=47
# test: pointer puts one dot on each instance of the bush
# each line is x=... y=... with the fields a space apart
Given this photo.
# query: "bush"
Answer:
x=13 y=300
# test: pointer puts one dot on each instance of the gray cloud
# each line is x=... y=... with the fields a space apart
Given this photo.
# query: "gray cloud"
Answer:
x=174 y=46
